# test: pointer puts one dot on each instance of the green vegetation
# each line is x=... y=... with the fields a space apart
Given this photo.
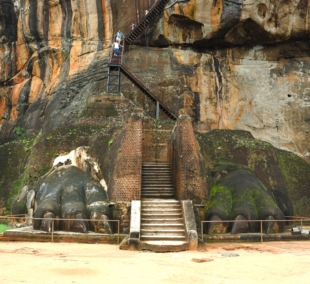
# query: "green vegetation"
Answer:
x=3 y=228
x=20 y=131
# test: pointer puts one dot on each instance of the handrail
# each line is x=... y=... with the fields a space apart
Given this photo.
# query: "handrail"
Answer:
x=252 y=221
x=144 y=22
x=135 y=79
x=120 y=57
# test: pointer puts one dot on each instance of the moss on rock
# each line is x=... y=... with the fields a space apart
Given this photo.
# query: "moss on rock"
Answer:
x=285 y=175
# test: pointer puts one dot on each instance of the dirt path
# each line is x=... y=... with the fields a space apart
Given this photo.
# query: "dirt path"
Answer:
x=276 y=262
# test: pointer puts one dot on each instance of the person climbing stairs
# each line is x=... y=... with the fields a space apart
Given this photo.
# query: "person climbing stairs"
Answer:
x=146 y=21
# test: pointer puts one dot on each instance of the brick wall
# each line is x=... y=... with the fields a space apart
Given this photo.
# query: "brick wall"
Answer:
x=156 y=136
x=127 y=174
x=187 y=168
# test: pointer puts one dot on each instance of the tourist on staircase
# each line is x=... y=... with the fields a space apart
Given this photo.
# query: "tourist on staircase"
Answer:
x=116 y=48
x=119 y=36
x=132 y=26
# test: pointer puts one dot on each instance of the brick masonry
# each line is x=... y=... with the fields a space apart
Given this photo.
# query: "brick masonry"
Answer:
x=127 y=174
x=186 y=162
x=156 y=135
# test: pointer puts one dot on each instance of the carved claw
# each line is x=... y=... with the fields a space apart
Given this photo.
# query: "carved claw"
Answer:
x=240 y=227
x=217 y=227
x=79 y=225
x=103 y=226
x=46 y=224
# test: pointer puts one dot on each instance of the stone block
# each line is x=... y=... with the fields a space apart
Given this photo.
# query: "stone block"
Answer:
x=190 y=224
x=135 y=221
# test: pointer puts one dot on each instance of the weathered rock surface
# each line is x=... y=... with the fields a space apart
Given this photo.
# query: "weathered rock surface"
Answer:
x=54 y=53
x=284 y=175
x=262 y=89
x=230 y=65
x=232 y=22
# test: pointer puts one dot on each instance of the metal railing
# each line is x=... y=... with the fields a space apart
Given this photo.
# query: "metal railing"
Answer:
x=26 y=218
x=119 y=58
x=301 y=220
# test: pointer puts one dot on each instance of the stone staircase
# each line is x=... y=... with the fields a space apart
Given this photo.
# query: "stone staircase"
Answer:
x=162 y=226
x=162 y=222
x=157 y=181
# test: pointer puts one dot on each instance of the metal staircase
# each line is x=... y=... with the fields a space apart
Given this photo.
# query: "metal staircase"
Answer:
x=159 y=104
x=114 y=72
x=114 y=79
x=116 y=66
x=148 y=19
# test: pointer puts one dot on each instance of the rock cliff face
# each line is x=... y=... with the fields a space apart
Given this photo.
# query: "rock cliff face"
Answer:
x=50 y=51
x=237 y=65
x=259 y=89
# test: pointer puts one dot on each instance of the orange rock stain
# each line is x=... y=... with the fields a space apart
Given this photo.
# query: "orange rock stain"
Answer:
x=216 y=13
x=15 y=96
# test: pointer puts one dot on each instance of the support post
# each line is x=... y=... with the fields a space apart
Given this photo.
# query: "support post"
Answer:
x=118 y=231
x=52 y=230
x=157 y=110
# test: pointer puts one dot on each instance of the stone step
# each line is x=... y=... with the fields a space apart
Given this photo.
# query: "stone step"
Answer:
x=156 y=177
x=161 y=169
x=162 y=238
x=160 y=210
x=161 y=206
x=156 y=174
x=159 y=180
x=157 y=195
x=161 y=215
x=159 y=188
x=152 y=167
x=155 y=226
x=151 y=170
x=157 y=184
x=164 y=246
x=162 y=180
x=156 y=164
x=170 y=221
x=163 y=232
x=157 y=201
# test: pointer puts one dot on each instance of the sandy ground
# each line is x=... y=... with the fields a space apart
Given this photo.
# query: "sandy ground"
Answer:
x=273 y=262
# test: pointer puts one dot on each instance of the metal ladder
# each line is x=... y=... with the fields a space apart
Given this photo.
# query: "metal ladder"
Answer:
x=147 y=19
